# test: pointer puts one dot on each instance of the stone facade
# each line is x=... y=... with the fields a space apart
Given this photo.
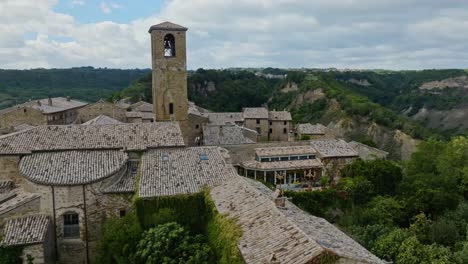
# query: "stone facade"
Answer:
x=279 y=130
x=56 y=201
x=260 y=125
x=169 y=72
x=92 y=111
x=22 y=115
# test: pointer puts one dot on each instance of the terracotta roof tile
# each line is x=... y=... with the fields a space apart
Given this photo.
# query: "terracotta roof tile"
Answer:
x=330 y=148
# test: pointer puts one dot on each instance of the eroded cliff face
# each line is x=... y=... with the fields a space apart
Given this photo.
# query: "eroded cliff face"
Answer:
x=397 y=143
x=454 y=119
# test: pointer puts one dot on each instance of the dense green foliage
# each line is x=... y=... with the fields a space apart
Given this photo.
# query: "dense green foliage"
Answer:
x=399 y=89
x=10 y=255
x=156 y=225
x=119 y=240
x=86 y=83
x=416 y=212
x=171 y=243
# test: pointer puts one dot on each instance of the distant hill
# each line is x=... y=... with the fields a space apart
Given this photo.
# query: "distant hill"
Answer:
x=84 y=83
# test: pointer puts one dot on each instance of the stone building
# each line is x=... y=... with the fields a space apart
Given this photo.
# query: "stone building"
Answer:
x=169 y=62
x=335 y=154
x=309 y=131
x=49 y=111
x=367 y=152
x=91 y=111
x=282 y=165
x=280 y=128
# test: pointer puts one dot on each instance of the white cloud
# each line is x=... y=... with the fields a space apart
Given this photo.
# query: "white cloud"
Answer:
x=77 y=2
x=283 y=33
x=107 y=8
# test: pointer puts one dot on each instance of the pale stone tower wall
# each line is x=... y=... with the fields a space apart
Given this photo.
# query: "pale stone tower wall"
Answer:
x=169 y=73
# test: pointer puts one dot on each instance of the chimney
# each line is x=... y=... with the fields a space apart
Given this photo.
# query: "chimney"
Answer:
x=280 y=200
x=68 y=98
x=50 y=101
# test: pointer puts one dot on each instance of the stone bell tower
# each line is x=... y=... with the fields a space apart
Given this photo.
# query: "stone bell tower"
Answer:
x=169 y=62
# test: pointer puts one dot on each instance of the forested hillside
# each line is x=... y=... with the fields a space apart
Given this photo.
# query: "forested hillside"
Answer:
x=85 y=83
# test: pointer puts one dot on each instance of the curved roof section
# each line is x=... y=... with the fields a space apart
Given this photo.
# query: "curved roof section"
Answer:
x=72 y=167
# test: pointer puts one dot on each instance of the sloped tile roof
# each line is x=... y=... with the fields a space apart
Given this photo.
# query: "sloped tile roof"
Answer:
x=59 y=104
x=167 y=26
x=72 y=167
x=226 y=135
x=225 y=118
x=283 y=165
x=26 y=230
x=77 y=137
x=102 y=120
x=284 y=151
x=320 y=230
x=15 y=199
x=331 y=148
x=142 y=106
x=266 y=230
x=309 y=129
x=176 y=171
x=6 y=186
x=279 y=115
x=367 y=152
x=255 y=112
x=142 y=115
x=125 y=183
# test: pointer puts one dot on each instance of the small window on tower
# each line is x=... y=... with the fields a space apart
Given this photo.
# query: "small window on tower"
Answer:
x=169 y=46
x=171 y=108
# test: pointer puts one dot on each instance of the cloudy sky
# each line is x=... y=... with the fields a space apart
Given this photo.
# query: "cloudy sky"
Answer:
x=391 y=34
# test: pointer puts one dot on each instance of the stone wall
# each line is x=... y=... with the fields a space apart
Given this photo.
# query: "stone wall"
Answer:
x=99 y=207
x=278 y=130
x=169 y=77
x=92 y=111
x=22 y=115
x=193 y=129
x=262 y=127
x=36 y=252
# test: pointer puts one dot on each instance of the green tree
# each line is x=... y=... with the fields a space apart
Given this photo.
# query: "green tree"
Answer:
x=118 y=241
x=387 y=246
x=383 y=210
x=10 y=255
x=414 y=252
x=171 y=243
x=358 y=189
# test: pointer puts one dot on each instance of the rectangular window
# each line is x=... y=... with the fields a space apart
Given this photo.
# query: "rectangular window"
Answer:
x=171 y=108
x=197 y=126
x=122 y=213
x=264 y=160
x=311 y=156
x=285 y=130
x=285 y=123
x=258 y=121
x=302 y=157
x=284 y=158
x=294 y=158
x=275 y=159
x=259 y=131
x=271 y=123
x=270 y=131
x=71 y=225
x=203 y=157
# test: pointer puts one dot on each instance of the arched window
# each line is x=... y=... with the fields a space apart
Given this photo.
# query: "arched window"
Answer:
x=71 y=225
x=169 y=46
